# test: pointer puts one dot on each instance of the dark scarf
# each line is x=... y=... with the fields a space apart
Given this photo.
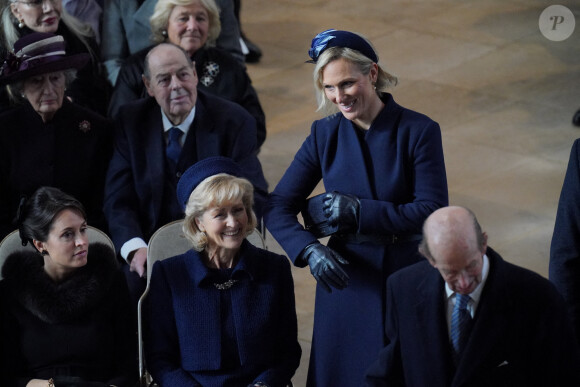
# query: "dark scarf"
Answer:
x=72 y=298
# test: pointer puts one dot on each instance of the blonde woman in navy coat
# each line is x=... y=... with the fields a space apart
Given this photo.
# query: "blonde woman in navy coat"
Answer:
x=383 y=171
x=222 y=314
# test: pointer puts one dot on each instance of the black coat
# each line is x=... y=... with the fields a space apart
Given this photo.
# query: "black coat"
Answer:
x=218 y=72
x=521 y=335
x=80 y=327
x=70 y=152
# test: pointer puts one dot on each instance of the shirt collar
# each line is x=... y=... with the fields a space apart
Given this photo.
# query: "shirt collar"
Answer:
x=184 y=126
x=476 y=294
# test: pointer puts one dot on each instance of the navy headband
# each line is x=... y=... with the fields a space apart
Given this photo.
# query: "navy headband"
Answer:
x=335 y=38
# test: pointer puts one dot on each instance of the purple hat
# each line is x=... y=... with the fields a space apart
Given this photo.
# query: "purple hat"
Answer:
x=39 y=53
x=336 y=38
x=200 y=171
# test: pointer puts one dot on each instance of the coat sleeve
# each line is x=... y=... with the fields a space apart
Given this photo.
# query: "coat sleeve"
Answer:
x=387 y=370
x=285 y=201
x=163 y=353
x=429 y=188
x=288 y=349
x=245 y=152
x=564 y=269
x=121 y=202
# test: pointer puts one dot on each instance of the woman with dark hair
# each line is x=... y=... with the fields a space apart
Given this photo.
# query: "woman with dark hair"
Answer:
x=46 y=140
x=223 y=313
x=383 y=170
x=66 y=318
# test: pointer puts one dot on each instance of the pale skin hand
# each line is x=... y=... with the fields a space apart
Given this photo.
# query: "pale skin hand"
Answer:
x=138 y=262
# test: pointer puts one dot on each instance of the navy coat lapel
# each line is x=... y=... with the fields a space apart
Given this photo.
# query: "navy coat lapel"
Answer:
x=490 y=324
x=154 y=158
x=433 y=336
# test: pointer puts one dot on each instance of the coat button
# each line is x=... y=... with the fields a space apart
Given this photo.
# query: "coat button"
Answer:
x=178 y=174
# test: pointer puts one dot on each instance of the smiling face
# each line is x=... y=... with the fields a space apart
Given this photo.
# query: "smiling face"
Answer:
x=188 y=27
x=45 y=93
x=38 y=15
x=172 y=82
x=67 y=244
x=225 y=227
x=352 y=91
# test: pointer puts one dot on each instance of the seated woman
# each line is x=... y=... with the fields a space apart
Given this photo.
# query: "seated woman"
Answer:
x=65 y=317
x=194 y=25
x=223 y=313
x=46 y=140
x=20 y=18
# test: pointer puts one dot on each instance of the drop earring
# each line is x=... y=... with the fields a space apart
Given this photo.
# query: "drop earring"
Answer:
x=21 y=23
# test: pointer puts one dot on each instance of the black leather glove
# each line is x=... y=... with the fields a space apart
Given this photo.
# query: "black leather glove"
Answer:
x=342 y=210
x=324 y=266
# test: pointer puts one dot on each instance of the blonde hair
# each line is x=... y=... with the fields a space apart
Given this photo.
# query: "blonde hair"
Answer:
x=384 y=81
x=160 y=19
x=217 y=190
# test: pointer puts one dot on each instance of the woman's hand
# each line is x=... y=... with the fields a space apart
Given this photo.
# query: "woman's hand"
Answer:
x=324 y=266
x=341 y=210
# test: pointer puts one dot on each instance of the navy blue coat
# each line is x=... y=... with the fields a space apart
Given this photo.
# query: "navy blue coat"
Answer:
x=565 y=249
x=136 y=175
x=398 y=173
x=521 y=334
x=185 y=342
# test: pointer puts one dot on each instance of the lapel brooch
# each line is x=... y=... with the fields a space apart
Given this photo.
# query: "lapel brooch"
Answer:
x=85 y=126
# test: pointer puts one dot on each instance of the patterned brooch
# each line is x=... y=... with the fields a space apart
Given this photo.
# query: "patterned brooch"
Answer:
x=210 y=72
x=226 y=285
x=85 y=126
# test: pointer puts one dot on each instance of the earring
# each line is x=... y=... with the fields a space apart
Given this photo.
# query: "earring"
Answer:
x=44 y=252
x=21 y=23
x=164 y=33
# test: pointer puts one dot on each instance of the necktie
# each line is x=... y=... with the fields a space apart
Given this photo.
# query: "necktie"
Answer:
x=460 y=319
x=173 y=146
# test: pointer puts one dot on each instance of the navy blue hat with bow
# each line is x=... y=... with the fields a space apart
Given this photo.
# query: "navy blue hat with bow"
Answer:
x=337 y=38
x=200 y=171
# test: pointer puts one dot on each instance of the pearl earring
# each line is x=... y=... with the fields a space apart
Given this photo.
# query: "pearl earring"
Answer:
x=21 y=23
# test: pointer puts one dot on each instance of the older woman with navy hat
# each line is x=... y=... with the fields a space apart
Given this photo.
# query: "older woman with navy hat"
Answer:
x=383 y=170
x=223 y=313
x=47 y=140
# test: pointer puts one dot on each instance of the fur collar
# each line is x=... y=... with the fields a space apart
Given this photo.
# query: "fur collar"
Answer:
x=53 y=302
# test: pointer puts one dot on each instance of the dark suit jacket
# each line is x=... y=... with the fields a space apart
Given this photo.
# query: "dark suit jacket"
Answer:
x=521 y=334
x=136 y=176
x=565 y=249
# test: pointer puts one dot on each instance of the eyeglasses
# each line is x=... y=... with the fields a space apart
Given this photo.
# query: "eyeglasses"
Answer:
x=36 y=3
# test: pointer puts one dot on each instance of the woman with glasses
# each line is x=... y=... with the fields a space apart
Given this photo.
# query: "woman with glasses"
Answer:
x=22 y=17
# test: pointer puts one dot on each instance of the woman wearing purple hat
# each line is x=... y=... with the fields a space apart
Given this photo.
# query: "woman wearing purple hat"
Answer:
x=20 y=18
x=222 y=314
x=46 y=140
x=383 y=170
